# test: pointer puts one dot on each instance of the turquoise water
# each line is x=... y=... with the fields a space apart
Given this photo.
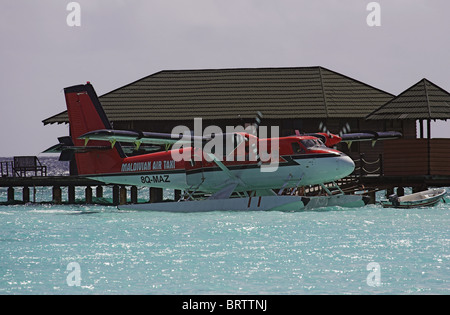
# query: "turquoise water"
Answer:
x=318 y=252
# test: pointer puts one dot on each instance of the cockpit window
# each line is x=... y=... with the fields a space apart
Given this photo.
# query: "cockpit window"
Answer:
x=311 y=143
x=297 y=148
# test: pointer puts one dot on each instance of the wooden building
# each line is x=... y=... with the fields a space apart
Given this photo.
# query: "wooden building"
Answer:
x=423 y=102
x=298 y=98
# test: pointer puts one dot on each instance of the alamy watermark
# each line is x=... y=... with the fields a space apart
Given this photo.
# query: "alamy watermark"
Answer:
x=74 y=17
x=74 y=276
x=374 y=17
x=374 y=277
x=235 y=144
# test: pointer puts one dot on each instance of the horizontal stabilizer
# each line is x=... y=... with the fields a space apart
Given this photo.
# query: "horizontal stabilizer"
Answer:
x=67 y=149
x=66 y=140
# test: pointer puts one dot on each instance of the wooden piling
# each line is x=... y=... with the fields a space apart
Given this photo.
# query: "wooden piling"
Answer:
x=26 y=194
x=156 y=194
x=88 y=195
x=116 y=199
x=389 y=191
x=11 y=194
x=372 y=196
x=134 y=194
x=123 y=195
x=57 y=195
x=99 y=191
x=177 y=194
x=71 y=194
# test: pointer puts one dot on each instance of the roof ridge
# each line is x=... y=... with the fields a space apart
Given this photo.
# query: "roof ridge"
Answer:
x=239 y=69
x=323 y=92
x=427 y=97
x=124 y=86
x=358 y=81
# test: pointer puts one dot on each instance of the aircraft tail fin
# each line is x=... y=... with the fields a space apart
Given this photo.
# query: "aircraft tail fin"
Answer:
x=86 y=114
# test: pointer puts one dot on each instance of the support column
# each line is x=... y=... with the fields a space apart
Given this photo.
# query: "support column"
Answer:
x=177 y=194
x=116 y=195
x=57 y=195
x=123 y=195
x=372 y=196
x=11 y=194
x=26 y=194
x=71 y=194
x=99 y=191
x=429 y=144
x=34 y=194
x=88 y=195
x=156 y=195
x=421 y=128
x=389 y=191
x=134 y=194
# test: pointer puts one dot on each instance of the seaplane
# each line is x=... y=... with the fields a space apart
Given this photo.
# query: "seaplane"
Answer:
x=241 y=177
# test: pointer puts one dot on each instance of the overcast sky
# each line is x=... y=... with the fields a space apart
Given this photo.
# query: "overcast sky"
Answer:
x=121 y=41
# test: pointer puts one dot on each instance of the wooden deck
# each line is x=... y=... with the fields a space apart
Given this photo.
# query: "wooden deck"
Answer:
x=57 y=182
x=40 y=181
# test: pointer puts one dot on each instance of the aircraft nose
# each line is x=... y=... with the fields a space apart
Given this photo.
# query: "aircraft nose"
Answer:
x=345 y=165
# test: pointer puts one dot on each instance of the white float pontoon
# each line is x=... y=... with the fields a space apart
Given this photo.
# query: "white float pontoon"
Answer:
x=258 y=203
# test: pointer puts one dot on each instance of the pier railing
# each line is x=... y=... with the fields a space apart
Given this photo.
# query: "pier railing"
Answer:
x=6 y=168
x=367 y=167
x=21 y=166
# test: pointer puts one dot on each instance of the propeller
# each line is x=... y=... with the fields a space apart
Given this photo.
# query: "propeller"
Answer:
x=257 y=123
x=323 y=128
x=255 y=126
x=324 y=134
x=345 y=129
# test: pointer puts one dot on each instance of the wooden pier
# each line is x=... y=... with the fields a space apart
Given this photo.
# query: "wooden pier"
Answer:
x=28 y=172
x=119 y=192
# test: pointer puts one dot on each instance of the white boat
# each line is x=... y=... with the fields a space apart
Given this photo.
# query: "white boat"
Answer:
x=425 y=198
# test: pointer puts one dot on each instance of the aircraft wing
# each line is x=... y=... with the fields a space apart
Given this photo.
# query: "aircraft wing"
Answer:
x=140 y=137
x=370 y=136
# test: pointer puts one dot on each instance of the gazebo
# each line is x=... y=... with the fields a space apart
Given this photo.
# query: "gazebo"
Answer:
x=424 y=101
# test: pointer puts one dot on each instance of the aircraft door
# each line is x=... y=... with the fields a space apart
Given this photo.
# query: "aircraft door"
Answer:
x=194 y=171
